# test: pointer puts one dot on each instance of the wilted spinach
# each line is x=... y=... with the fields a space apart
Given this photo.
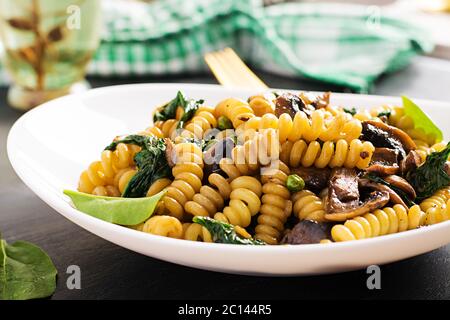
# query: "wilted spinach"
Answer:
x=431 y=176
x=386 y=113
x=169 y=111
x=222 y=232
x=151 y=162
x=352 y=111
x=26 y=272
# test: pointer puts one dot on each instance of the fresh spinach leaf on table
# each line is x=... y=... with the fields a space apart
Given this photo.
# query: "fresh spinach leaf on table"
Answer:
x=26 y=272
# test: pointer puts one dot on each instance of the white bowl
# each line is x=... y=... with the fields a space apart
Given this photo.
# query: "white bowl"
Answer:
x=50 y=146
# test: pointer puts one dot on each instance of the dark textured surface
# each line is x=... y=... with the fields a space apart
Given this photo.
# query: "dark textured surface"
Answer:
x=111 y=272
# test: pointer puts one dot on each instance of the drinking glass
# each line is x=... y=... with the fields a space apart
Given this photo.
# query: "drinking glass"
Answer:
x=47 y=45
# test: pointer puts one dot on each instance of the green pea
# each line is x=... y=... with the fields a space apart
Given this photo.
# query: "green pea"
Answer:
x=295 y=183
x=123 y=211
x=224 y=123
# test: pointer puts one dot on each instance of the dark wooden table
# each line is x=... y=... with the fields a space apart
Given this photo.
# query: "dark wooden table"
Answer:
x=112 y=272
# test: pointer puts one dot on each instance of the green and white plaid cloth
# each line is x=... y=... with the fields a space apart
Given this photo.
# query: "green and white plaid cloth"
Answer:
x=339 y=44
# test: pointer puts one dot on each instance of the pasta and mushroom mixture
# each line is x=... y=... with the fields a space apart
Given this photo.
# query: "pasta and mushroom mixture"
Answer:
x=279 y=168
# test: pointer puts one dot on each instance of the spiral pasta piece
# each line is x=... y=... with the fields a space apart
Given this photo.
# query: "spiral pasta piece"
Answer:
x=438 y=214
x=236 y=110
x=340 y=154
x=261 y=104
x=165 y=226
x=100 y=177
x=308 y=206
x=244 y=202
x=196 y=232
x=210 y=199
x=188 y=175
x=276 y=206
x=260 y=148
x=437 y=200
x=202 y=121
x=158 y=186
x=380 y=222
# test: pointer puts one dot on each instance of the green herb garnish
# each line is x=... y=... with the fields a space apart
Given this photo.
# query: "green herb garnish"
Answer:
x=26 y=272
x=151 y=162
x=123 y=211
x=222 y=232
x=430 y=176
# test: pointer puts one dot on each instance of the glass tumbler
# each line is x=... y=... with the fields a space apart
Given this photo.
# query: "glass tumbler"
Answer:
x=46 y=46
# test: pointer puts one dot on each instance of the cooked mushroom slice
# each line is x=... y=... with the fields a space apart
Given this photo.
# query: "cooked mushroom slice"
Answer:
x=315 y=179
x=412 y=161
x=371 y=196
x=384 y=161
x=383 y=135
x=343 y=192
x=307 y=232
x=290 y=103
x=401 y=184
x=317 y=101
x=394 y=198
x=170 y=156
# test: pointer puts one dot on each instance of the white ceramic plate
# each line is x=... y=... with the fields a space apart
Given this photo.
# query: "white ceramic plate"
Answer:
x=50 y=146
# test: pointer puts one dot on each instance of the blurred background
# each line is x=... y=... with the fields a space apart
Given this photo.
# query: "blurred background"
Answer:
x=49 y=46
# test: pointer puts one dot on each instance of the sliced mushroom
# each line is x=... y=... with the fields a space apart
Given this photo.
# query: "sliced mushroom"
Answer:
x=343 y=192
x=394 y=198
x=371 y=196
x=412 y=161
x=317 y=101
x=290 y=103
x=307 y=232
x=384 y=161
x=170 y=156
x=401 y=184
x=315 y=179
x=383 y=135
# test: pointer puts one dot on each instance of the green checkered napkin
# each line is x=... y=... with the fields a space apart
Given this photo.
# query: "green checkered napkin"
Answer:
x=338 y=44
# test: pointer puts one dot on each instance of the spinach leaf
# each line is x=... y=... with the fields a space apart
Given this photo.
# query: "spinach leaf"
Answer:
x=169 y=110
x=123 y=211
x=190 y=108
x=352 y=111
x=26 y=272
x=409 y=202
x=386 y=113
x=421 y=120
x=430 y=176
x=151 y=162
x=222 y=232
